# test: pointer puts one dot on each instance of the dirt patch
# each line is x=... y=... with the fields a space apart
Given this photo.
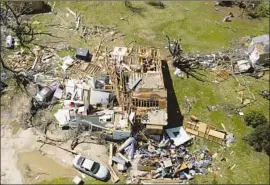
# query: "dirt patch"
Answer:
x=15 y=127
x=36 y=167
x=21 y=162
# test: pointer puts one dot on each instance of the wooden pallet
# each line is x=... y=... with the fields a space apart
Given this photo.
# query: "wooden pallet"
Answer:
x=88 y=69
x=200 y=129
x=92 y=69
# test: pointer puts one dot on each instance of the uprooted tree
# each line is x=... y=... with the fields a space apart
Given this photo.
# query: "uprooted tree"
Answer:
x=14 y=21
x=14 y=17
x=179 y=61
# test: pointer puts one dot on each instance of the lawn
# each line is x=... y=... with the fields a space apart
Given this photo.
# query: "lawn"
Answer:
x=251 y=167
x=195 y=23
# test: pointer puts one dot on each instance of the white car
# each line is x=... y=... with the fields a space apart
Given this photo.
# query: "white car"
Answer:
x=91 y=168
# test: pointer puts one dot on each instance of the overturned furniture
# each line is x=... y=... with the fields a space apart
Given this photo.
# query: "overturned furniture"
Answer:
x=203 y=130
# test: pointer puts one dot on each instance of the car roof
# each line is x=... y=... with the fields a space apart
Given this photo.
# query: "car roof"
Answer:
x=87 y=163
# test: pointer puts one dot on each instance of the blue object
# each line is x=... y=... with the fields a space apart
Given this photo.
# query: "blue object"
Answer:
x=3 y=76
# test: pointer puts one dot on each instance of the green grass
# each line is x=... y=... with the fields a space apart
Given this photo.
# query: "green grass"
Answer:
x=251 y=167
x=196 y=27
x=64 y=53
x=88 y=180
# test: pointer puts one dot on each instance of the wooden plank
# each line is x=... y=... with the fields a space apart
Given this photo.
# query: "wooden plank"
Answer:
x=217 y=134
x=123 y=157
x=111 y=154
x=193 y=132
x=202 y=127
x=158 y=127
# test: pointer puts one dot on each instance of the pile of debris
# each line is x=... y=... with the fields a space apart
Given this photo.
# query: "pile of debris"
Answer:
x=265 y=94
x=172 y=162
x=20 y=60
x=163 y=161
x=250 y=61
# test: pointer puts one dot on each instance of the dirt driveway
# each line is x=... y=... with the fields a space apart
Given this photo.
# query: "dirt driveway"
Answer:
x=21 y=162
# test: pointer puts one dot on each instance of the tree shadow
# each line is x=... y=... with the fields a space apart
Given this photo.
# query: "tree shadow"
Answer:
x=175 y=117
x=134 y=9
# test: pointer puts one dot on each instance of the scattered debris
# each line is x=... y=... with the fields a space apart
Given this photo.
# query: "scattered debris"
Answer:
x=179 y=73
x=67 y=62
x=228 y=18
x=265 y=94
x=244 y=65
x=200 y=129
x=77 y=180
x=259 y=50
x=10 y=41
x=212 y=108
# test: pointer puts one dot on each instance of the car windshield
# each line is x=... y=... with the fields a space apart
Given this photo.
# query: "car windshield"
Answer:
x=95 y=167
x=80 y=161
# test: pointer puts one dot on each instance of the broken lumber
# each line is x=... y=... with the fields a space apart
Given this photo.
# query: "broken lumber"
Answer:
x=78 y=23
x=35 y=62
x=123 y=157
x=54 y=144
x=73 y=13
x=111 y=154
x=115 y=178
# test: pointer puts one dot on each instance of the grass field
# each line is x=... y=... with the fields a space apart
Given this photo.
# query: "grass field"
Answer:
x=196 y=27
x=251 y=167
x=195 y=23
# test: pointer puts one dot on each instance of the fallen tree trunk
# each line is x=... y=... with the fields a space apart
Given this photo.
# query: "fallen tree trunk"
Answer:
x=54 y=144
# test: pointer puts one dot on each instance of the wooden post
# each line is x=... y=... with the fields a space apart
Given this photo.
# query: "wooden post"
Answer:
x=111 y=154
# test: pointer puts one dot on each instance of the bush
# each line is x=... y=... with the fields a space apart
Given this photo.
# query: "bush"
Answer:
x=259 y=138
x=261 y=9
x=255 y=119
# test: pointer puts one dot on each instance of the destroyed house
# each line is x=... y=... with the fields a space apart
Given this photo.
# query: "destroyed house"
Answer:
x=142 y=82
x=86 y=105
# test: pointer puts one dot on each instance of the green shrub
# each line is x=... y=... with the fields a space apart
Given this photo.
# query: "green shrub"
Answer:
x=259 y=138
x=255 y=119
x=261 y=9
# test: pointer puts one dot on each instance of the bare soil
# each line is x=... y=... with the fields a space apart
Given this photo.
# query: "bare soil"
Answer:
x=21 y=160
